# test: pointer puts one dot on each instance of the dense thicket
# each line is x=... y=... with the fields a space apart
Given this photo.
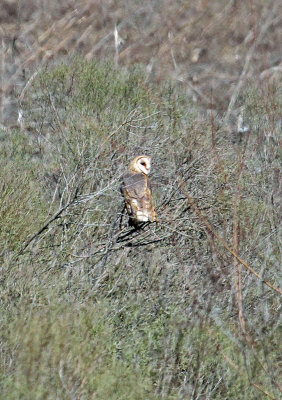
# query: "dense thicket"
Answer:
x=186 y=308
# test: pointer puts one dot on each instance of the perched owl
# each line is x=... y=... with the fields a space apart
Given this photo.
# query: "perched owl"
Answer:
x=136 y=191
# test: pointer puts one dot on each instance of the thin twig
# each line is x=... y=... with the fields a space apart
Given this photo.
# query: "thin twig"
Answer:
x=236 y=245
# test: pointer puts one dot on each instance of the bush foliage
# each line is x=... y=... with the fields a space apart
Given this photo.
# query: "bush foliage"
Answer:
x=92 y=309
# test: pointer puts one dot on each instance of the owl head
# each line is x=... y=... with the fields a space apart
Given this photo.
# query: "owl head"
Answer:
x=141 y=164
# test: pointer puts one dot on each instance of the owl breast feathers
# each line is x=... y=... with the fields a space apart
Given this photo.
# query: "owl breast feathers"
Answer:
x=136 y=191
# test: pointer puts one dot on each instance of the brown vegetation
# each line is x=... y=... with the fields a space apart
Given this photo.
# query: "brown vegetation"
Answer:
x=203 y=45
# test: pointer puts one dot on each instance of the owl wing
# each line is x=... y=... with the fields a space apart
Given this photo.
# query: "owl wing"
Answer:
x=138 y=197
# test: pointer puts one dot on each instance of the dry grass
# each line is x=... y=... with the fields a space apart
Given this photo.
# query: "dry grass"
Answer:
x=203 y=45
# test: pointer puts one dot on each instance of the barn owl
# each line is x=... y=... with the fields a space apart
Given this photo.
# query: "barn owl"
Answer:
x=136 y=191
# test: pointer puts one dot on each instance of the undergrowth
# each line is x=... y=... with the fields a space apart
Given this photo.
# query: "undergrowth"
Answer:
x=92 y=310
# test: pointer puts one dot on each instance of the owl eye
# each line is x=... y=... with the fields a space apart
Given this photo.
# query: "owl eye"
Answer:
x=143 y=163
